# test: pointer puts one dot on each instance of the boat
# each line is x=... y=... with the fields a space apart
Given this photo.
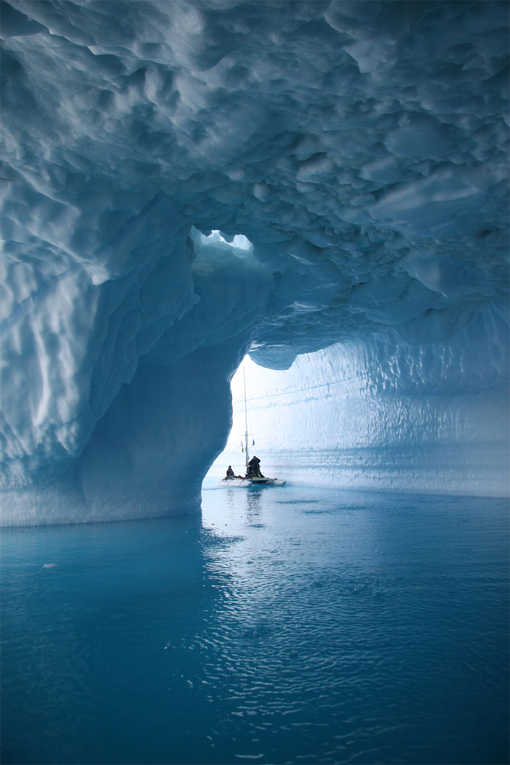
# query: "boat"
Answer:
x=245 y=483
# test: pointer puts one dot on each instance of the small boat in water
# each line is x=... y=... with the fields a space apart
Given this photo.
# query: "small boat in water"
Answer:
x=245 y=483
x=235 y=481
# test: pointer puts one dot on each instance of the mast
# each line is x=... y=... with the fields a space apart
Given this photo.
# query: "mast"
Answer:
x=245 y=419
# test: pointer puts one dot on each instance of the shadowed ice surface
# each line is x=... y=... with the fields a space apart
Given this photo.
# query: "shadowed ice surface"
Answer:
x=289 y=626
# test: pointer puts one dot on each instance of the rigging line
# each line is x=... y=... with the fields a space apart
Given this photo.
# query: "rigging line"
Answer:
x=295 y=390
x=245 y=418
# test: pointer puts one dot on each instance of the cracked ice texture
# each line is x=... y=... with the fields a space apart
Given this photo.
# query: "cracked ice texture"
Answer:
x=361 y=148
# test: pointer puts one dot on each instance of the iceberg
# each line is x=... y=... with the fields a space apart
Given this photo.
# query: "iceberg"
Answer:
x=323 y=186
x=372 y=415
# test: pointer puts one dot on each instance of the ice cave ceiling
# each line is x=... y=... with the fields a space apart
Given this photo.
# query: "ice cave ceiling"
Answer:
x=361 y=147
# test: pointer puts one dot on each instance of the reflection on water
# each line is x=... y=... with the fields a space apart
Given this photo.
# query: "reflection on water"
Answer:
x=253 y=500
x=284 y=626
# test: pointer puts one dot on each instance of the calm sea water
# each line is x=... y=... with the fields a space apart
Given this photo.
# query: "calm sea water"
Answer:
x=284 y=626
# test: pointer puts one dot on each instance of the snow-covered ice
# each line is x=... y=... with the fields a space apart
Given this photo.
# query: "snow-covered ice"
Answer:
x=354 y=157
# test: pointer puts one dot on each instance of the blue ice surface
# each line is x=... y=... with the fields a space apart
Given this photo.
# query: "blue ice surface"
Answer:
x=355 y=156
x=285 y=626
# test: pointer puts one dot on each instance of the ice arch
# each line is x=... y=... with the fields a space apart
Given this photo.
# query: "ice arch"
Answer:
x=376 y=415
x=360 y=148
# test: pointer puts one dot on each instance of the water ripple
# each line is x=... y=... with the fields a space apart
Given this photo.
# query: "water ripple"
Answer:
x=273 y=632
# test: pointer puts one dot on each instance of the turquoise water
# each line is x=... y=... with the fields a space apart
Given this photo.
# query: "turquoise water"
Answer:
x=284 y=626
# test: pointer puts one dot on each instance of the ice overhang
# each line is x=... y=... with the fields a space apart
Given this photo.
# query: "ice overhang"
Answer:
x=364 y=159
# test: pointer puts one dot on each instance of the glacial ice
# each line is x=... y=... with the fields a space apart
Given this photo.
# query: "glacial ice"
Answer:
x=374 y=415
x=353 y=158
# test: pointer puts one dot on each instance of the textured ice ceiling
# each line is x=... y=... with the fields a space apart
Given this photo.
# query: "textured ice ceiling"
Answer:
x=361 y=147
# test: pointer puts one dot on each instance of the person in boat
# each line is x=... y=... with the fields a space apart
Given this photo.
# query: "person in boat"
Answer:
x=230 y=473
x=253 y=470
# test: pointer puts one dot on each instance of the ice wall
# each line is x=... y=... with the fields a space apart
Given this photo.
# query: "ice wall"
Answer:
x=362 y=149
x=148 y=455
x=375 y=415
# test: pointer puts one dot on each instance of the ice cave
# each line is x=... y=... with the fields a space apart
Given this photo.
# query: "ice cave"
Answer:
x=306 y=200
x=188 y=182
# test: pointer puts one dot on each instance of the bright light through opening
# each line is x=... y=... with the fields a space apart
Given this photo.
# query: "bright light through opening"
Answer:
x=262 y=386
x=239 y=241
